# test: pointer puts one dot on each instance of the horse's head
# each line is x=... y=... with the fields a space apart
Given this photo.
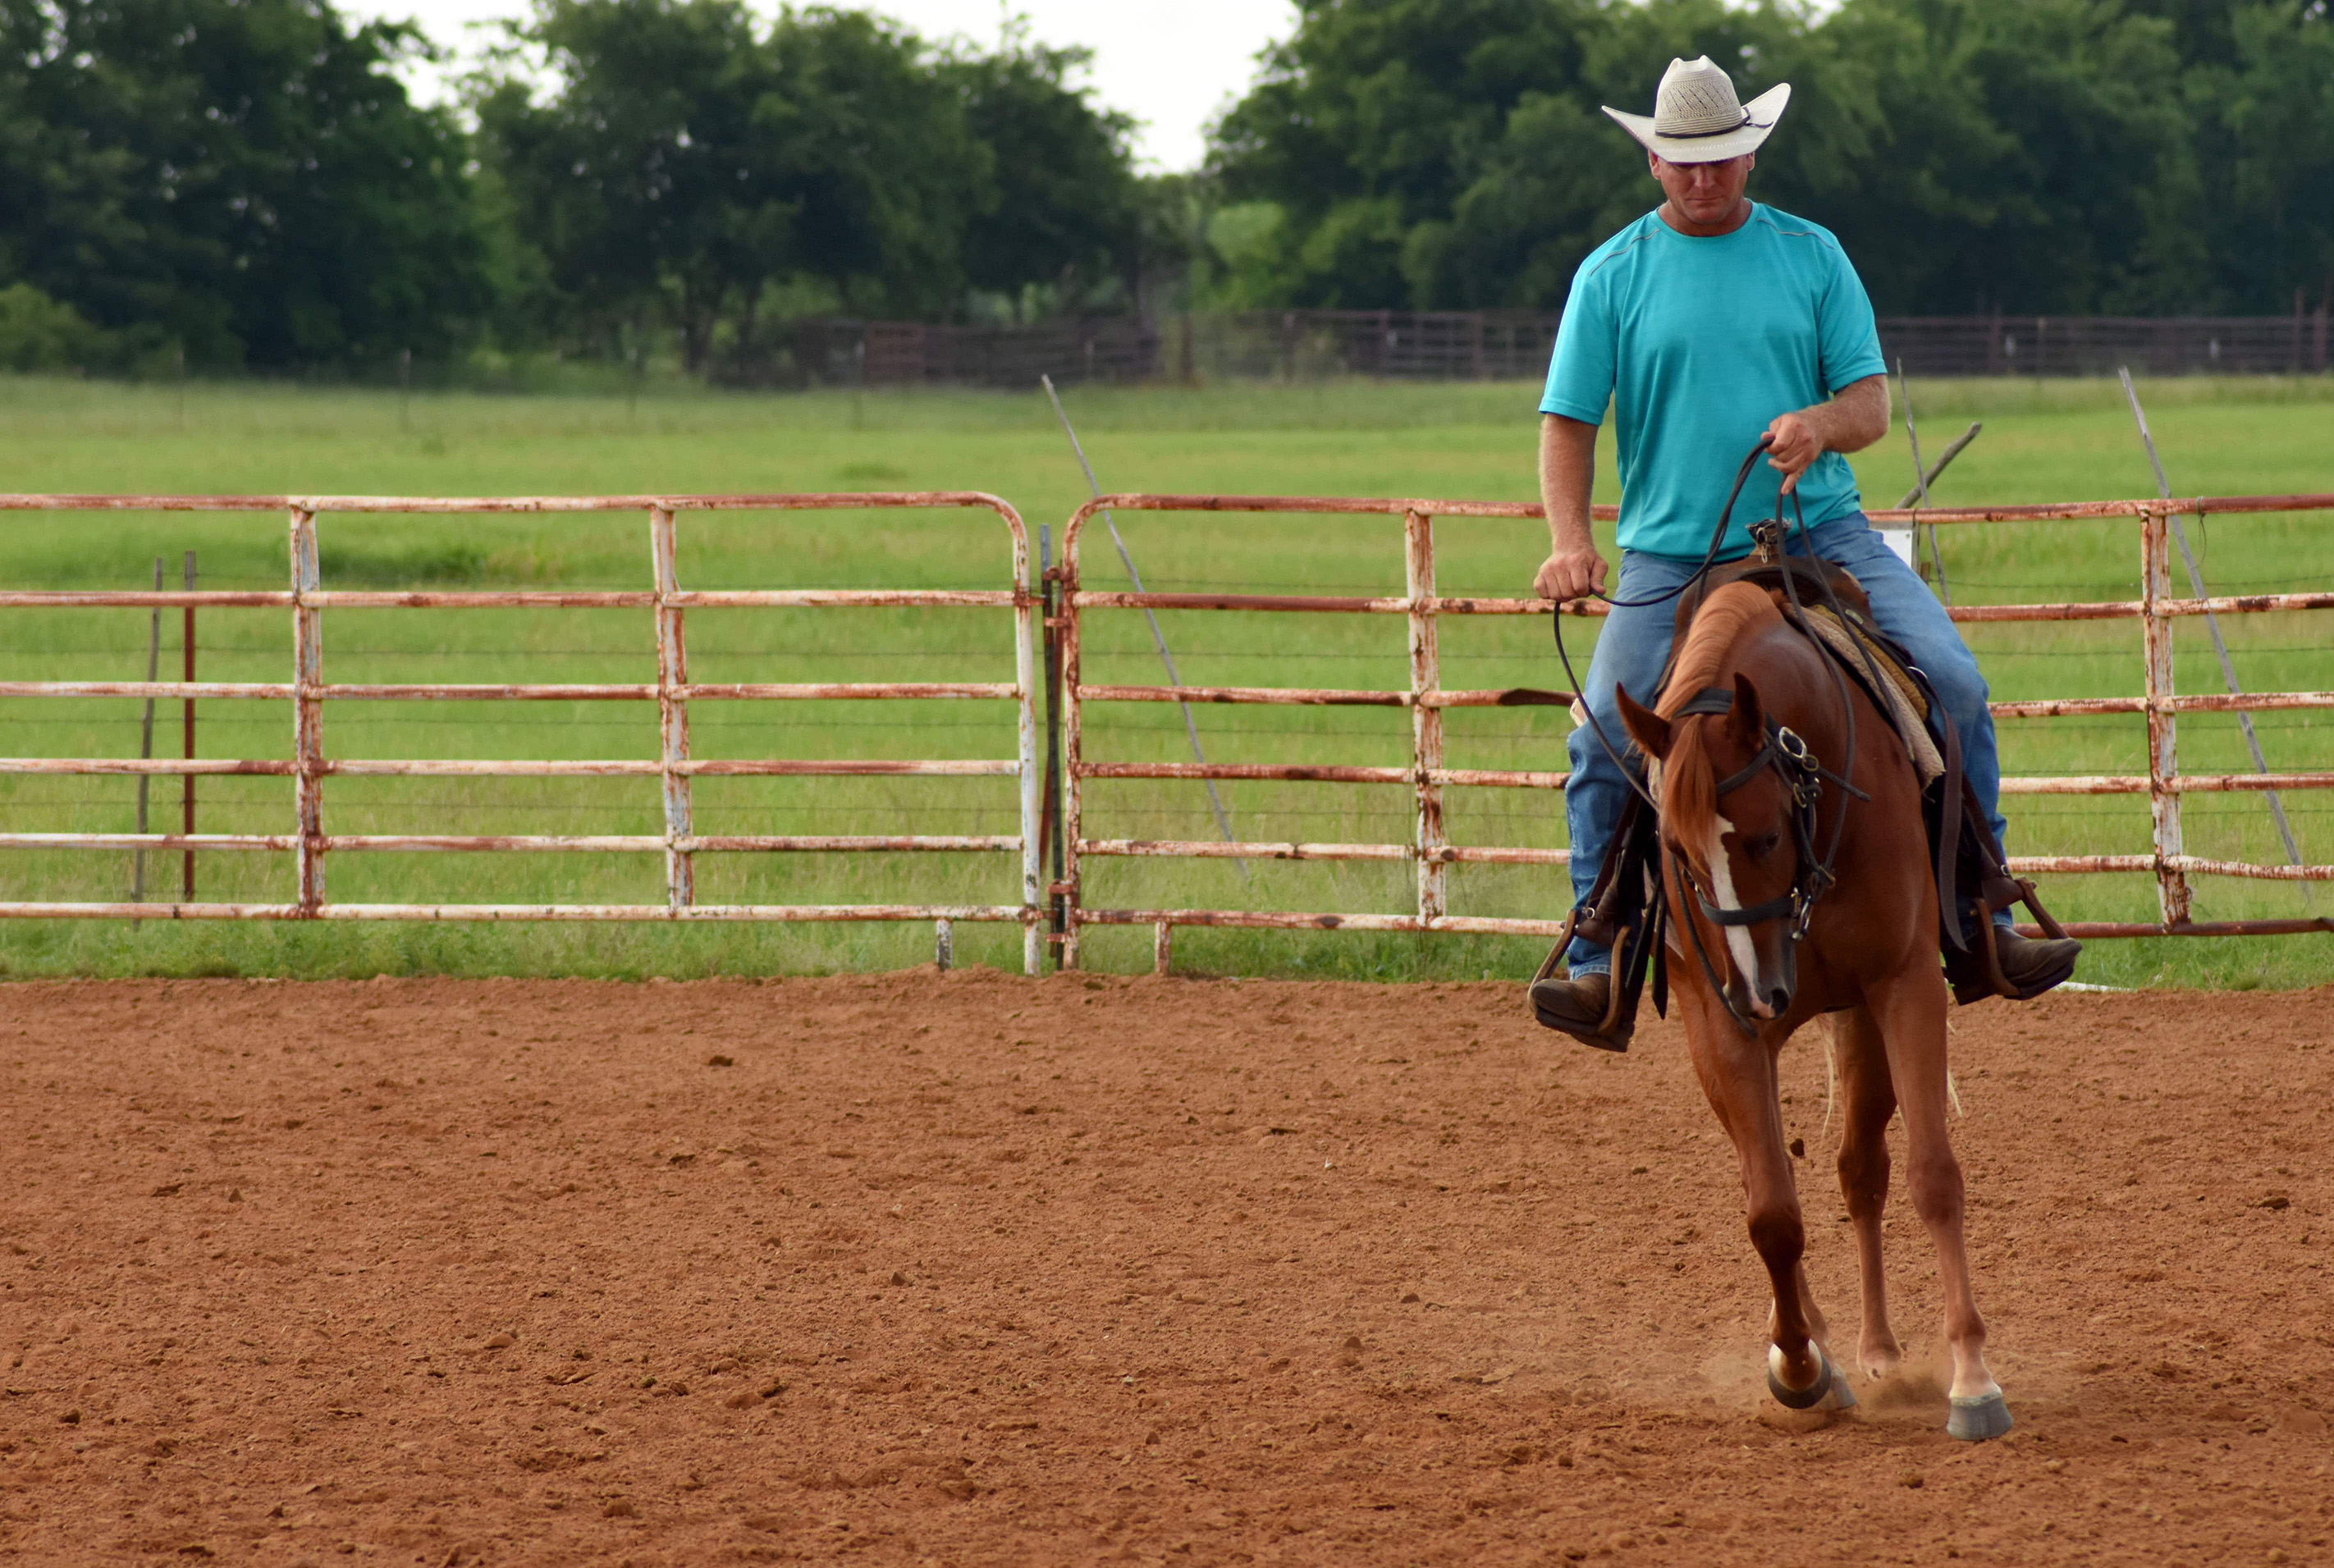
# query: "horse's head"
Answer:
x=1739 y=852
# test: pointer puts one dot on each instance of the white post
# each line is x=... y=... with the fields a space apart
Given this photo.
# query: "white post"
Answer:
x=1025 y=606
x=672 y=716
x=2163 y=737
x=307 y=711
x=1425 y=721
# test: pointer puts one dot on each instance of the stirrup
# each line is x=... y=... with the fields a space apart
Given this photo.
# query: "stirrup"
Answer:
x=1989 y=980
x=1618 y=1026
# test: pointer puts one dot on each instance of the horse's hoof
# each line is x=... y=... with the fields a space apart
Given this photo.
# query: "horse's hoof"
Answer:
x=1815 y=1393
x=1840 y=1397
x=1976 y=1419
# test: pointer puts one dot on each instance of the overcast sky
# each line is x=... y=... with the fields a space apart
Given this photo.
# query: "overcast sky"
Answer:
x=1174 y=64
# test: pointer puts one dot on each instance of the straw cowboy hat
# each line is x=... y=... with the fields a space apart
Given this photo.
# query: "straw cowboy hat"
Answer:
x=1697 y=119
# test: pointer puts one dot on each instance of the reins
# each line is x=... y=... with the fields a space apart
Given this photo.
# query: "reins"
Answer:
x=1781 y=749
x=1709 y=560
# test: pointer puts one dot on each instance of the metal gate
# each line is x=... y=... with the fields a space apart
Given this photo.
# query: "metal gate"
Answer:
x=1427 y=778
x=306 y=838
x=1427 y=698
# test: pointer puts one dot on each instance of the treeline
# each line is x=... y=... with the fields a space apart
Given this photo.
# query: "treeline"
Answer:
x=246 y=183
x=2034 y=156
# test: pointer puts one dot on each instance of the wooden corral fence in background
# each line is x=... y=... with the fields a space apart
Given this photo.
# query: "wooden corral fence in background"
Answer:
x=1308 y=345
x=1427 y=698
x=309 y=694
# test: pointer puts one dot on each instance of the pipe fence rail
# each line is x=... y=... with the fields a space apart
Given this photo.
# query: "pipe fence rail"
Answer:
x=1056 y=910
x=1429 y=848
x=310 y=695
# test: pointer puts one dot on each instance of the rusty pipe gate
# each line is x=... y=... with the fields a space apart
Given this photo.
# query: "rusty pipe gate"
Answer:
x=1426 y=698
x=1427 y=778
x=310 y=693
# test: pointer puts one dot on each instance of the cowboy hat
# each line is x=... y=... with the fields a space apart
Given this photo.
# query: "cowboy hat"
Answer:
x=1697 y=119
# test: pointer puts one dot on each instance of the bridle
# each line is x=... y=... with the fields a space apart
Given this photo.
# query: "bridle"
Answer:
x=1802 y=772
x=1783 y=752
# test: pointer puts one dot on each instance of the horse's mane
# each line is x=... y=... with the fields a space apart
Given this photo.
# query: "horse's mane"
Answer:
x=1689 y=783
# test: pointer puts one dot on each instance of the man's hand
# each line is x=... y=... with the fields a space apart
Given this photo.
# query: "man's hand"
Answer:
x=1793 y=444
x=1575 y=572
x=1568 y=465
x=1855 y=416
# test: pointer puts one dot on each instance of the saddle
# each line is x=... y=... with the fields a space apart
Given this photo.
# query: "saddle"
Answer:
x=1625 y=910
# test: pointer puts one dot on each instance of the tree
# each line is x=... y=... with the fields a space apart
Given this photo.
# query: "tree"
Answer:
x=2040 y=155
x=1371 y=118
x=686 y=159
x=2265 y=127
x=647 y=177
x=1068 y=210
x=883 y=158
x=242 y=178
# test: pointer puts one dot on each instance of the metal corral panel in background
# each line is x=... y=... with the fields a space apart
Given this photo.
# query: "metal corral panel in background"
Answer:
x=1060 y=903
x=310 y=842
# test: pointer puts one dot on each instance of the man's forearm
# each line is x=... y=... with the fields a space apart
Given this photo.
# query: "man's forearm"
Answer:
x=1855 y=416
x=1568 y=470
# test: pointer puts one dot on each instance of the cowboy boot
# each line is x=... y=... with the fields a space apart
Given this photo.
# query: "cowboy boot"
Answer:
x=1580 y=1005
x=2027 y=966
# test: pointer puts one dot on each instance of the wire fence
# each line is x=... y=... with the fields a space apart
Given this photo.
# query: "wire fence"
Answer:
x=1308 y=345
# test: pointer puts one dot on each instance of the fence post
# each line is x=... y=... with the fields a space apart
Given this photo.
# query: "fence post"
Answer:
x=186 y=716
x=672 y=716
x=1027 y=632
x=307 y=712
x=1425 y=720
x=1050 y=816
x=146 y=740
x=2163 y=744
x=1066 y=637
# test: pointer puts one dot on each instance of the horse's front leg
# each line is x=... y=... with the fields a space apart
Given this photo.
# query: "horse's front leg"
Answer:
x=1870 y=1099
x=1911 y=1013
x=1738 y=1074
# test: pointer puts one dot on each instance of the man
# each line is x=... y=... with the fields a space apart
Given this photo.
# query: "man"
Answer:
x=1706 y=323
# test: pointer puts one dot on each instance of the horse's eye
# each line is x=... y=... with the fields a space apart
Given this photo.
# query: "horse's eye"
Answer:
x=1761 y=846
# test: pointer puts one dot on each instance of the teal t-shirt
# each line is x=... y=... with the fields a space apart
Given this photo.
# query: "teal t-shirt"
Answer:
x=1699 y=344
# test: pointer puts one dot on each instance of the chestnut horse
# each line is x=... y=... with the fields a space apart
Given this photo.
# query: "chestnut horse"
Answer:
x=1757 y=759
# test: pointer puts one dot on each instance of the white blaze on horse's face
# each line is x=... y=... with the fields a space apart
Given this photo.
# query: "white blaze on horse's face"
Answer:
x=1737 y=938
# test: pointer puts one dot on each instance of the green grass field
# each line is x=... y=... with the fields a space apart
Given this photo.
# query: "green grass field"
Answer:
x=2043 y=441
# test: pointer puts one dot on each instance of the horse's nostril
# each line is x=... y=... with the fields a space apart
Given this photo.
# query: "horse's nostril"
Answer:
x=1779 y=1000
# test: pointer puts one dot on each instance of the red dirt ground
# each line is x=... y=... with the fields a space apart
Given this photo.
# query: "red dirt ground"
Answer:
x=968 y=1269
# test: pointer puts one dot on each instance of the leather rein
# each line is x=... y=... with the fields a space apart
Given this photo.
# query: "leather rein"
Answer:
x=1802 y=772
x=1785 y=752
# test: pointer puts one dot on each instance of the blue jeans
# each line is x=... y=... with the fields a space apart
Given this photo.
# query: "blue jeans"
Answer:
x=1636 y=643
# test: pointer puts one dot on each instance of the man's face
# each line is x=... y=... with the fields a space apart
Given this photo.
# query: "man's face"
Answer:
x=1704 y=193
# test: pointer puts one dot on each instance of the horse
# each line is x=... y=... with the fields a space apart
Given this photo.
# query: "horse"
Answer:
x=1754 y=827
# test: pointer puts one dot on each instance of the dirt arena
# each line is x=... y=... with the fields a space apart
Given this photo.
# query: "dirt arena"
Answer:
x=967 y=1269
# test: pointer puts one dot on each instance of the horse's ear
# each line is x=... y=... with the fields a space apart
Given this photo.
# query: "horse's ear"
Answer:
x=1746 y=721
x=1649 y=729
